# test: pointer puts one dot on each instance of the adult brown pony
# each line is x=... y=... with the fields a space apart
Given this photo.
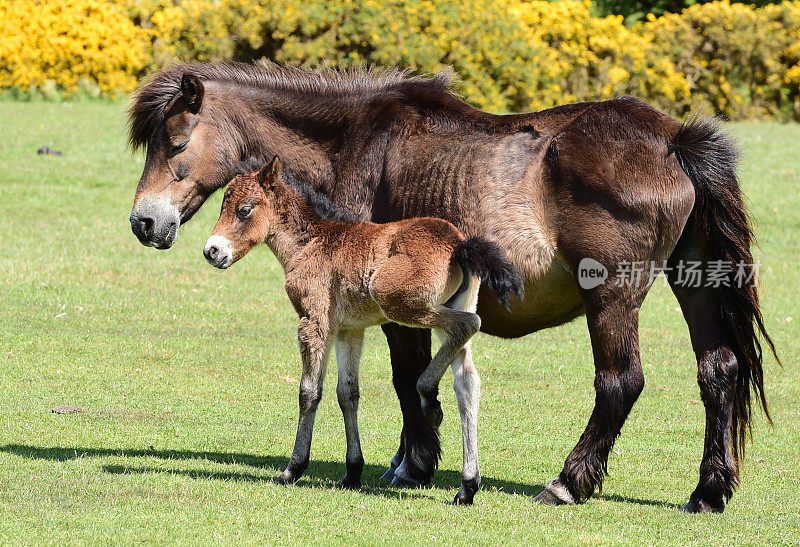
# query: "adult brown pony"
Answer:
x=616 y=182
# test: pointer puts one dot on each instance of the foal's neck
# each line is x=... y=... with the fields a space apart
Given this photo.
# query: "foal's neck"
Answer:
x=296 y=224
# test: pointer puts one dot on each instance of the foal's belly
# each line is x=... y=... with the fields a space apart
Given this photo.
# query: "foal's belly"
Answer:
x=551 y=299
x=359 y=314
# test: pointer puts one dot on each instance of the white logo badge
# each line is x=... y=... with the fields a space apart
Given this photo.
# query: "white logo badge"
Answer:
x=591 y=273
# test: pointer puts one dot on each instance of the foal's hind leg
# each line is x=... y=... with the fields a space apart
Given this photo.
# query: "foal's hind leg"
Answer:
x=457 y=327
x=467 y=385
x=613 y=326
x=466 y=382
x=348 y=354
x=453 y=335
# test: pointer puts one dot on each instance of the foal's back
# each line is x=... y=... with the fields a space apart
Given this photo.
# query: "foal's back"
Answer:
x=409 y=263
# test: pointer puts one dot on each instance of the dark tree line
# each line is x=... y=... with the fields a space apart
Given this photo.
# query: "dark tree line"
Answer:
x=636 y=10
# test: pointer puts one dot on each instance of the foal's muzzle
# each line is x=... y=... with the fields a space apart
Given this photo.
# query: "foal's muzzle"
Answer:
x=218 y=252
x=155 y=221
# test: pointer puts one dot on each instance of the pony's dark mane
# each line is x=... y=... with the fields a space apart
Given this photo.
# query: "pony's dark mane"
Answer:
x=147 y=109
x=317 y=201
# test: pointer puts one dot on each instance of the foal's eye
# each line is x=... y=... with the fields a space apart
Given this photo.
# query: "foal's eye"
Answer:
x=244 y=211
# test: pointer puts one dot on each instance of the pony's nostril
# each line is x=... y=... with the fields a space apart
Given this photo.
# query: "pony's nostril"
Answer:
x=212 y=252
x=146 y=226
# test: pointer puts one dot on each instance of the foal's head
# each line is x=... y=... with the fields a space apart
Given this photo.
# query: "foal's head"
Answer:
x=248 y=214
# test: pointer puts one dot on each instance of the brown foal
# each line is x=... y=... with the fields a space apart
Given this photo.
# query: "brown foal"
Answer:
x=343 y=277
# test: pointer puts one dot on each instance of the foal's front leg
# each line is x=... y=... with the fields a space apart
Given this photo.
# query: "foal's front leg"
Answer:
x=314 y=349
x=348 y=355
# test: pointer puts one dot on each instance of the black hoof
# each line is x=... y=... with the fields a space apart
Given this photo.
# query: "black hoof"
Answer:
x=555 y=493
x=702 y=506
x=293 y=471
x=463 y=498
x=435 y=415
x=404 y=482
x=350 y=484
x=466 y=494
x=286 y=478
x=389 y=475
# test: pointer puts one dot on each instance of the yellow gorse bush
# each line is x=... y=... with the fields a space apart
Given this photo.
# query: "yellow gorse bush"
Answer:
x=595 y=58
x=738 y=60
x=510 y=55
x=69 y=40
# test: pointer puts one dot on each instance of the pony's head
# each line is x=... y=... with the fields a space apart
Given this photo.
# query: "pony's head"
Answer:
x=248 y=214
x=187 y=156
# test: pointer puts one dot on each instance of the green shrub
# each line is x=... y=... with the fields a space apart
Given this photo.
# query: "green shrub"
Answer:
x=509 y=55
x=739 y=61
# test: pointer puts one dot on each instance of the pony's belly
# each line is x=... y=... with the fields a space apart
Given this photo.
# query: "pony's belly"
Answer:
x=551 y=299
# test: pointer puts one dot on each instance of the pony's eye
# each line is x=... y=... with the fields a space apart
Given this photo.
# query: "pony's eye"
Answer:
x=244 y=211
x=180 y=148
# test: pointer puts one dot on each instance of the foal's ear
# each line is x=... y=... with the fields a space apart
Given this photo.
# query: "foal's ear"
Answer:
x=274 y=167
x=270 y=172
x=192 y=90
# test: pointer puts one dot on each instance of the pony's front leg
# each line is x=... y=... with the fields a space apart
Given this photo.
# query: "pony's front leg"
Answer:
x=348 y=355
x=410 y=352
x=314 y=349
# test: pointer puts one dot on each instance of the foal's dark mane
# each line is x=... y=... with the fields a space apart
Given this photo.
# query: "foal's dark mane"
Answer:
x=319 y=202
x=147 y=110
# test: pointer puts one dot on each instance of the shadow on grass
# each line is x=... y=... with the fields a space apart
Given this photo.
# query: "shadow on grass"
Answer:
x=624 y=499
x=319 y=482
x=319 y=473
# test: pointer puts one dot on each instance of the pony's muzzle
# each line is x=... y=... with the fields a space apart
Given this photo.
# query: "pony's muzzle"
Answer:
x=218 y=252
x=155 y=221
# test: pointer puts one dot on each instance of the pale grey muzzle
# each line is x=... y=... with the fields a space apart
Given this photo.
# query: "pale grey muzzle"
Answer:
x=155 y=221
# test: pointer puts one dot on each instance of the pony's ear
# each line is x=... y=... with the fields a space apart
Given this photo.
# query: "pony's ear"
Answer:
x=270 y=172
x=192 y=90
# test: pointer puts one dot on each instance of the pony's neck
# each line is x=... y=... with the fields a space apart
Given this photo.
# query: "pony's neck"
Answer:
x=304 y=129
x=294 y=227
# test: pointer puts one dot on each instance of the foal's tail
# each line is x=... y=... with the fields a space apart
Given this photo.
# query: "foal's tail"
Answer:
x=720 y=223
x=484 y=258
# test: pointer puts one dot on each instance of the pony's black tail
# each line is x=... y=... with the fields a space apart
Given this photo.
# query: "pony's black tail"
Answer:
x=484 y=258
x=719 y=220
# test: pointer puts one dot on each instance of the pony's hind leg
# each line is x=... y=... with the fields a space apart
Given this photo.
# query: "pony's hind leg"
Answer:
x=348 y=355
x=717 y=370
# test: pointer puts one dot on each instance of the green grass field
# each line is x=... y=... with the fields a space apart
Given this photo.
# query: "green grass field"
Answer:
x=188 y=377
